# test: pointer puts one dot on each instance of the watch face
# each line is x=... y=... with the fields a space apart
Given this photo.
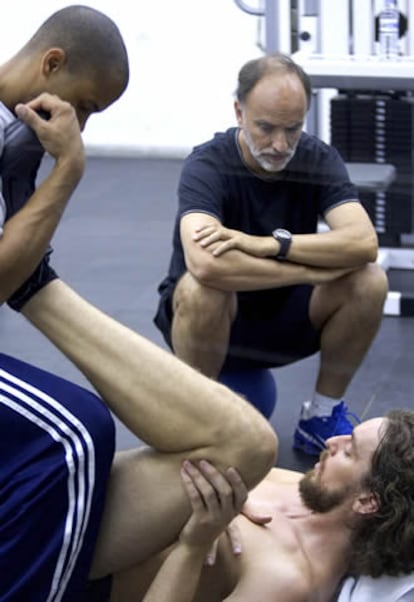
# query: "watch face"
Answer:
x=281 y=233
x=285 y=238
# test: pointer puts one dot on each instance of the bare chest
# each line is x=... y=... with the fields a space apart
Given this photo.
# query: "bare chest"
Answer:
x=277 y=565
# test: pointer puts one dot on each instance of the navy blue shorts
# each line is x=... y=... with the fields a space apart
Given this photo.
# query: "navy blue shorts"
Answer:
x=272 y=327
x=99 y=590
x=57 y=442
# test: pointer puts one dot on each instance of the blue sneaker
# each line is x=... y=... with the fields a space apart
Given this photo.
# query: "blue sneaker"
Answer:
x=312 y=432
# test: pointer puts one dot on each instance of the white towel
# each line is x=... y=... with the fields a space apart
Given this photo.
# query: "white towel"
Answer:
x=384 y=589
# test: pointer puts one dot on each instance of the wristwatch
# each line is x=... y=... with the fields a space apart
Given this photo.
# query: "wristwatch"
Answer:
x=284 y=238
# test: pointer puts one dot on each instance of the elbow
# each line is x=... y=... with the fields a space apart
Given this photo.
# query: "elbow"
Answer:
x=366 y=248
x=206 y=272
x=372 y=248
x=372 y=256
x=259 y=454
x=366 y=255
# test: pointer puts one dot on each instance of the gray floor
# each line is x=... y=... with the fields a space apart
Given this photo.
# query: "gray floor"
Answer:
x=113 y=247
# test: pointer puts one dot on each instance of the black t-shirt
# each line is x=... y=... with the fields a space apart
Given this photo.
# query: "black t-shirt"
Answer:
x=215 y=180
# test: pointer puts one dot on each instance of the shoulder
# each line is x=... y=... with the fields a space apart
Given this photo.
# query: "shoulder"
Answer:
x=221 y=148
x=316 y=162
x=219 y=142
x=6 y=118
x=21 y=150
x=313 y=147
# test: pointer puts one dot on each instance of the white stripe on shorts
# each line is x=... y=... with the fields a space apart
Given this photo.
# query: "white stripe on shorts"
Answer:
x=78 y=445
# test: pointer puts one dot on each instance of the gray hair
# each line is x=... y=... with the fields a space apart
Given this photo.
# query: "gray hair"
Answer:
x=254 y=70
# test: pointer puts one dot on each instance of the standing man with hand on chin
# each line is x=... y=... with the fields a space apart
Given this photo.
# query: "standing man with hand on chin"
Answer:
x=251 y=281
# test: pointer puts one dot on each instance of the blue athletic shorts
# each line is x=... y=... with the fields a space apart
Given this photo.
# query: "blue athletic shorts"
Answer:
x=57 y=442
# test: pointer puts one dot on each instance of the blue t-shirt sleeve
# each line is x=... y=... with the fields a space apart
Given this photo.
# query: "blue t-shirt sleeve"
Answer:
x=201 y=188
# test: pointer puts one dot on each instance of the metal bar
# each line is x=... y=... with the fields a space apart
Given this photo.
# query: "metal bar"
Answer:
x=272 y=44
x=278 y=26
x=311 y=8
x=257 y=12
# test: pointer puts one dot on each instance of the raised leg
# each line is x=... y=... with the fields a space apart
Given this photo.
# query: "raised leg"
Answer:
x=174 y=409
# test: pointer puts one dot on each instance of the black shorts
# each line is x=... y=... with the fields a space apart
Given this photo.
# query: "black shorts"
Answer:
x=272 y=327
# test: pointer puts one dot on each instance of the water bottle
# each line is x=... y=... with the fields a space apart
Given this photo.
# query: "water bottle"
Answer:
x=388 y=30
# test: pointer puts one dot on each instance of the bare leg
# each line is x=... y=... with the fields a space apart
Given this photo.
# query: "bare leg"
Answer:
x=201 y=325
x=167 y=404
x=163 y=401
x=348 y=313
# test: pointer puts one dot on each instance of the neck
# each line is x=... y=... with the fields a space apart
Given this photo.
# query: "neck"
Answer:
x=327 y=530
x=326 y=544
x=15 y=82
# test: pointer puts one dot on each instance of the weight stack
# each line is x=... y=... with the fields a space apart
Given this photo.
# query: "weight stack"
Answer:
x=377 y=127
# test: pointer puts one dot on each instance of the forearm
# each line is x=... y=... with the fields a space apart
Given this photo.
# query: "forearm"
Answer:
x=347 y=248
x=27 y=234
x=178 y=577
x=238 y=271
x=144 y=384
x=350 y=242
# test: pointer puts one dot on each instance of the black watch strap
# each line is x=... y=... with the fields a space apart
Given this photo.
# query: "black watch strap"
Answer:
x=284 y=238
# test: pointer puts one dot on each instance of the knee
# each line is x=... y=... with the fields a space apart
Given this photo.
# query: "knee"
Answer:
x=240 y=437
x=247 y=441
x=258 y=453
x=101 y=430
x=193 y=299
x=265 y=446
x=369 y=287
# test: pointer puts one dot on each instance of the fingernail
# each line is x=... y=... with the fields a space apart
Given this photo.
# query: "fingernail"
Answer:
x=237 y=549
x=210 y=560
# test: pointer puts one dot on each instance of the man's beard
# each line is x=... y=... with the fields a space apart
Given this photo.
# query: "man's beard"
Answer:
x=317 y=498
x=264 y=163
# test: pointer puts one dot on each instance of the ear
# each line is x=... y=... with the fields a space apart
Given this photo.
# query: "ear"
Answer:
x=53 y=60
x=365 y=503
x=239 y=112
